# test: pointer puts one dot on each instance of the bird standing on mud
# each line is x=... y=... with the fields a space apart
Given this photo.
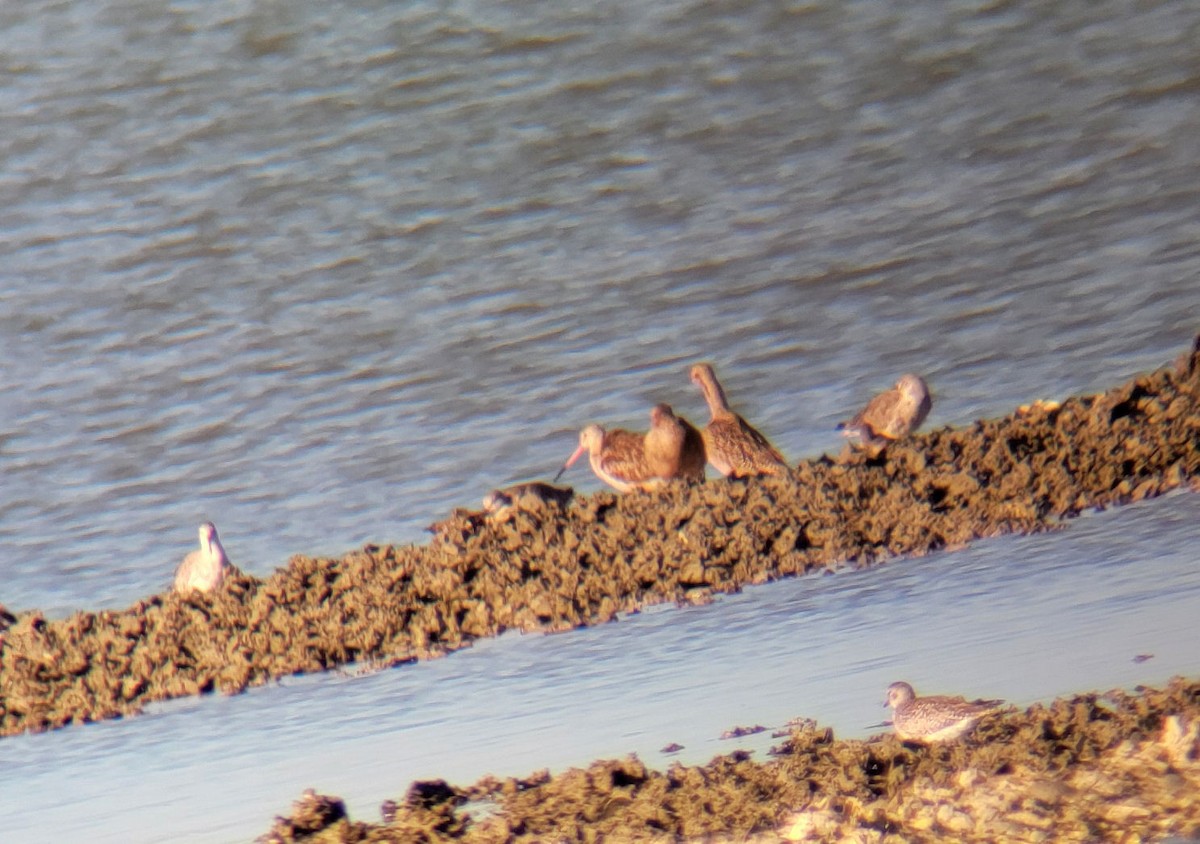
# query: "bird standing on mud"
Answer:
x=891 y=415
x=618 y=458
x=935 y=718
x=674 y=448
x=734 y=448
x=205 y=569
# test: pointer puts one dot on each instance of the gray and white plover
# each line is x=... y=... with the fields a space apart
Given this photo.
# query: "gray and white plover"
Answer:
x=934 y=718
x=733 y=446
x=500 y=501
x=205 y=569
x=891 y=415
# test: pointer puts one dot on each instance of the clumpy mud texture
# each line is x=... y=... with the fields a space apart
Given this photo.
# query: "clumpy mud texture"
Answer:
x=555 y=567
x=1113 y=768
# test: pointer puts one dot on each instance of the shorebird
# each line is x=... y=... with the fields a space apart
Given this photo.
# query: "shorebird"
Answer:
x=618 y=458
x=733 y=447
x=891 y=415
x=674 y=448
x=498 y=501
x=934 y=718
x=203 y=570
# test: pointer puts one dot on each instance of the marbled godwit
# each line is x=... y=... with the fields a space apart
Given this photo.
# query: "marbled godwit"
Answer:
x=674 y=448
x=734 y=448
x=935 y=718
x=203 y=570
x=891 y=415
x=618 y=458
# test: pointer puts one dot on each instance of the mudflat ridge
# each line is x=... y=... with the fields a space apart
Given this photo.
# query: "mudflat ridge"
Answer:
x=1116 y=767
x=551 y=567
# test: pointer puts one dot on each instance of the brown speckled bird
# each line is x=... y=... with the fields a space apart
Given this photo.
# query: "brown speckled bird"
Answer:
x=205 y=569
x=733 y=447
x=891 y=415
x=934 y=718
x=618 y=458
x=674 y=448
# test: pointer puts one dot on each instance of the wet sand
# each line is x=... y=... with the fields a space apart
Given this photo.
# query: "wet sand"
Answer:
x=1117 y=767
x=552 y=567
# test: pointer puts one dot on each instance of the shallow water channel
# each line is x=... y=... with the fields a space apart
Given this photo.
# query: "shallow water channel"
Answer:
x=1022 y=618
x=320 y=274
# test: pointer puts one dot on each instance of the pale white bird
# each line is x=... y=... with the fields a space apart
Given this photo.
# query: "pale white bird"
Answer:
x=205 y=569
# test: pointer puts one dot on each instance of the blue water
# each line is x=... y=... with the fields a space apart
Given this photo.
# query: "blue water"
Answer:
x=1020 y=618
x=321 y=274
x=320 y=277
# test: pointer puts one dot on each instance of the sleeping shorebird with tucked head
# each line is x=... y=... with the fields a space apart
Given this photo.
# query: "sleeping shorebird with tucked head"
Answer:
x=935 y=718
x=891 y=415
x=734 y=448
x=203 y=570
x=674 y=448
x=500 y=501
x=618 y=458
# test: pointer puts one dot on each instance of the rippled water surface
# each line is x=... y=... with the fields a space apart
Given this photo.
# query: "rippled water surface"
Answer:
x=1023 y=618
x=320 y=273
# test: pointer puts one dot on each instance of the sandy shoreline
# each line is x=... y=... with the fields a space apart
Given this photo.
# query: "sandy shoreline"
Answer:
x=555 y=568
